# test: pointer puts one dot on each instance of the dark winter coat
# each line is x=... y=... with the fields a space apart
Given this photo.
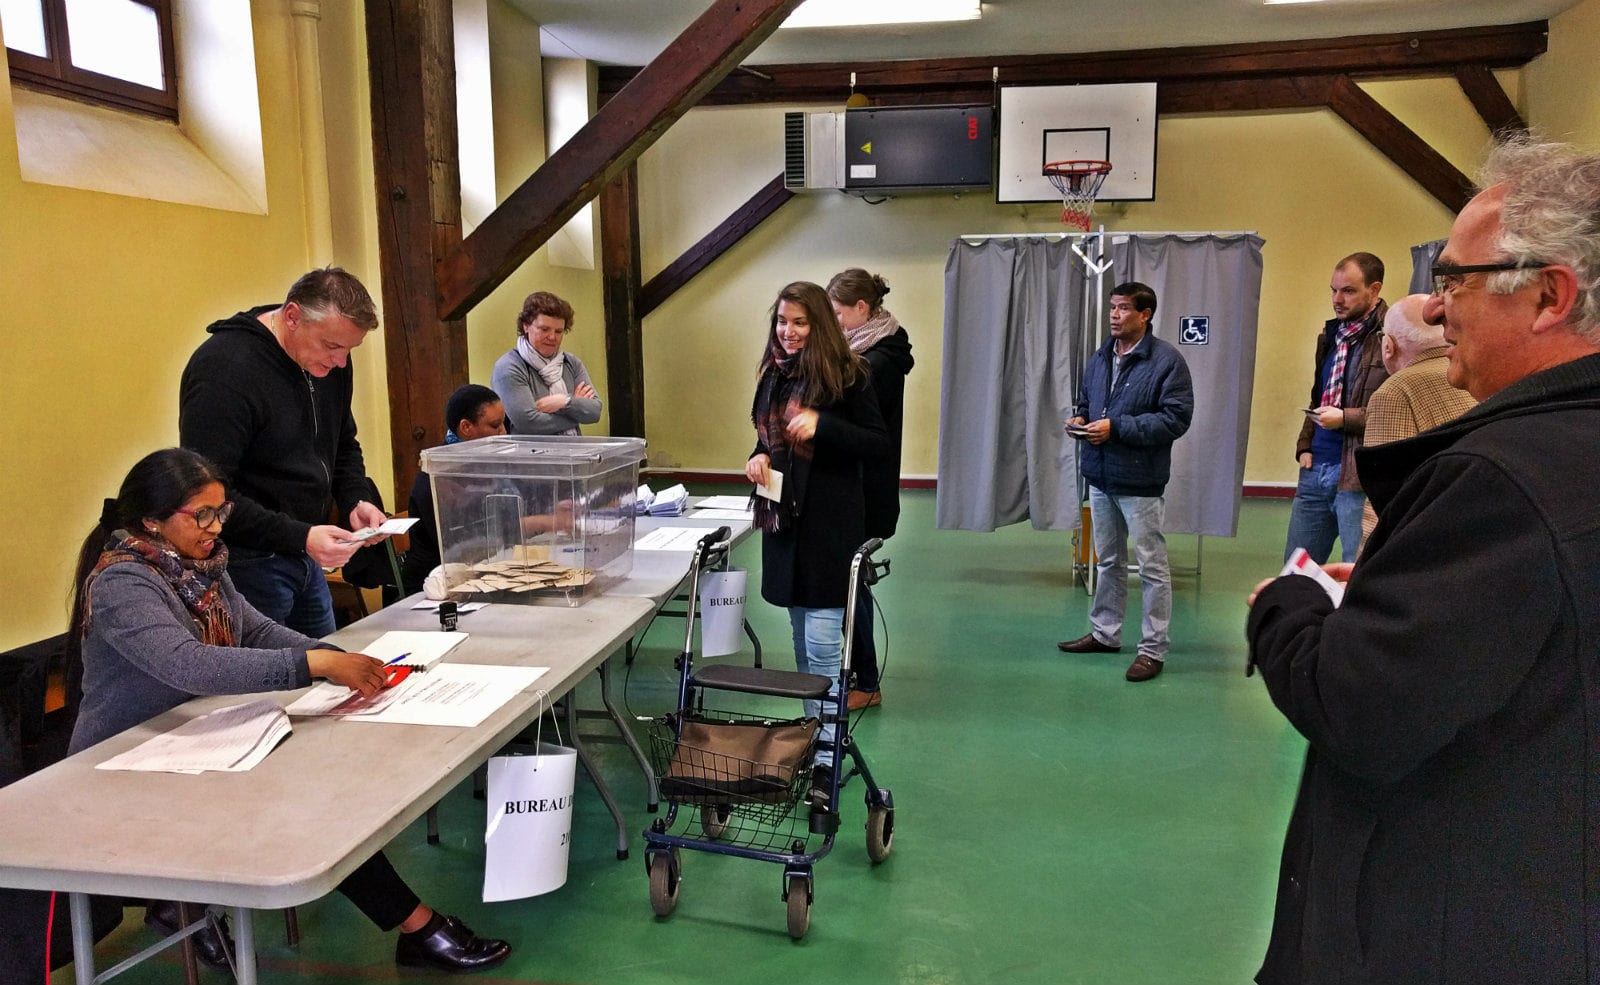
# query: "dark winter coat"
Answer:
x=809 y=563
x=285 y=441
x=1447 y=827
x=1362 y=377
x=1150 y=407
x=890 y=361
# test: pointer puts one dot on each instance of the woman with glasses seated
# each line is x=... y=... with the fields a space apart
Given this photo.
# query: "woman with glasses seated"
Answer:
x=160 y=622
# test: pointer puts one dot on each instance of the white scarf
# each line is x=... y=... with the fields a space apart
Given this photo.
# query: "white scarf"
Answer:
x=548 y=369
x=872 y=331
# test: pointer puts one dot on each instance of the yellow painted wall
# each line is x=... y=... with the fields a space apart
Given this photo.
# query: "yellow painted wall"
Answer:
x=105 y=297
x=1564 y=85
x=1307 y=183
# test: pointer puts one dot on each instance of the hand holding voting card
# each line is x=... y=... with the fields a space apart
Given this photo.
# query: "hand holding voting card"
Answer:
x=1078 y=431
x=772 y=487
x=394 y=525
x=1300 y=563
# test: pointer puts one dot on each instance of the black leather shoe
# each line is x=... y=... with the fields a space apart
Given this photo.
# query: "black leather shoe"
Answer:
x=449 y=945
x=1086 y=644
x=211 y=948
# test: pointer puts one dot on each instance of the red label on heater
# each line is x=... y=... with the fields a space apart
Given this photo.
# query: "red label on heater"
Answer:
x=972 y=128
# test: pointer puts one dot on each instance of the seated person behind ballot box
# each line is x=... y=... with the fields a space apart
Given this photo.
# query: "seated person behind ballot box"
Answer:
x=160 y=622
x=473 y=411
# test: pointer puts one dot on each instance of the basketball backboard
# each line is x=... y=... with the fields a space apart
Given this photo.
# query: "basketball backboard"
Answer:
x=1040 y=124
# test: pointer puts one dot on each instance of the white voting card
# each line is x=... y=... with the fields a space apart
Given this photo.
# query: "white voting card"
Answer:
x=773 y=488
x=740 y=503
x=670 y=539
x=1300 y=563
x=393 y=525
x=705 y=514
x=462 y=608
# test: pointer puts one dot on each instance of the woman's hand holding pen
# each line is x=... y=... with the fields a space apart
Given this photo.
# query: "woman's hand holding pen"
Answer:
x=356 y=671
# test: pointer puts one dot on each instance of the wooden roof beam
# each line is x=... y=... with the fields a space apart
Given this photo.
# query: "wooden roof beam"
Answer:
x=614 y=138
x=1490 y=100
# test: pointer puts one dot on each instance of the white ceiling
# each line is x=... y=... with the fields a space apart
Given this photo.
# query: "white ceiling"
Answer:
x=631 y=32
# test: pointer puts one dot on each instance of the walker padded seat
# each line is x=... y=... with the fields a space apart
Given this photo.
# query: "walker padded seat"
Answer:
x=761 y=680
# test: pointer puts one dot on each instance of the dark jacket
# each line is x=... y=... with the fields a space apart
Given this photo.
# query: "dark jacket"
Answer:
x=285 y=441
x=890 y=361
x=422 y=556
x=1150 y=407
x=1447 y=827
x=809 y=563
x=1362 y=377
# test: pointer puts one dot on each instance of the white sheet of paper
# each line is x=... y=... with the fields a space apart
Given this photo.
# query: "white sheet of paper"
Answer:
x=773 y=488
x=232 y=739
x=425 y=648
x=1300 y=563
x=459 y=695
x=704 y=514
x=740 y=503
x=670 y=539
x=462 y=608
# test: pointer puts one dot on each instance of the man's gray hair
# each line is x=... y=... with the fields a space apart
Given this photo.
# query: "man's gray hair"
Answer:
x=1404 y=324
x=1551 y=215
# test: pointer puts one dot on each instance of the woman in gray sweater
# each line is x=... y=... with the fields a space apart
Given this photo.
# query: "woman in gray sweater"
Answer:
x=545 y=390
x=160 y=622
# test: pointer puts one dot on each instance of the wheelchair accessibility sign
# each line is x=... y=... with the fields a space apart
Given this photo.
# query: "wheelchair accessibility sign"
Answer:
x=1194 y=330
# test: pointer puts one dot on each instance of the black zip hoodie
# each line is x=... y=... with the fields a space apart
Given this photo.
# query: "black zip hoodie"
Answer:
x=285 y=441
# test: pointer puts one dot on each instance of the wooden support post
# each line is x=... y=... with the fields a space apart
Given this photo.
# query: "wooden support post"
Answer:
x=411 y=68
x=619 y=264
x=1426 y=166
x=698 y=257
x=662 y=92
x=1490 y=100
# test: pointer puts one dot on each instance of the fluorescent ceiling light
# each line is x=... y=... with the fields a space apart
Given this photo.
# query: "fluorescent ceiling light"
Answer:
x=847 y=13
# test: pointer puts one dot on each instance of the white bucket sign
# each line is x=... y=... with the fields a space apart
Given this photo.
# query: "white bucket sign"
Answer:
x=721 y=612
x=530 y=823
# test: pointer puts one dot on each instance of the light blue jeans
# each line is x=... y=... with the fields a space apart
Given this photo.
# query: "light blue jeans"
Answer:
x=1115 y=518
x=819 y=649
x=1321 y=512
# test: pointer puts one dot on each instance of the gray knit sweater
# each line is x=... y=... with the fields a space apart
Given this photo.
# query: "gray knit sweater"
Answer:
x=142 y=654
x=520 y=386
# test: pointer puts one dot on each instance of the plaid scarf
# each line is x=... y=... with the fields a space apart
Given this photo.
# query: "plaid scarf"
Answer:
x=195 y=582
x=778 y=400
x=1333 y=388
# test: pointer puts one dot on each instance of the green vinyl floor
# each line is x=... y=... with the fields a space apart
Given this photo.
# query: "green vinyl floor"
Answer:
x=1054 y=823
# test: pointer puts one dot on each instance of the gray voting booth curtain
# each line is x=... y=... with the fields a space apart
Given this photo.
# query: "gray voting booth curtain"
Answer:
x=1012 y=319
x=1208 y=297
x=1423 y=256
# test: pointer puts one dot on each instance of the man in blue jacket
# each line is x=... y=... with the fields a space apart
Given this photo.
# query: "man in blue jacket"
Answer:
x=1136 y=400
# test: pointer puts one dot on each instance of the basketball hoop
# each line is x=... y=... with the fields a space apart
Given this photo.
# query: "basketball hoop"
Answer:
x=1078 y=182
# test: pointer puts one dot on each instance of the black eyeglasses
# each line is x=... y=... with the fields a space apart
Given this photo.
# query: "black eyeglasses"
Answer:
x=205 y=516
x=1449 y=276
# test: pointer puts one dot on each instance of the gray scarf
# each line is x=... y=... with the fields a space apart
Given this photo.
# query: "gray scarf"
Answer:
x=872 y=331
x=548 y=369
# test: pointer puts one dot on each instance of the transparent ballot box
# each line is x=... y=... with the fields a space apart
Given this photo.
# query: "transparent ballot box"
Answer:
x=533 y=519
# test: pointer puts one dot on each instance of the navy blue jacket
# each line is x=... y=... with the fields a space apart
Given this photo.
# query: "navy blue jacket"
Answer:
x=1149 y=408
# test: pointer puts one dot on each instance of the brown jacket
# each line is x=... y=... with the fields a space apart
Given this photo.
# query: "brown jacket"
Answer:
x=1362 y=376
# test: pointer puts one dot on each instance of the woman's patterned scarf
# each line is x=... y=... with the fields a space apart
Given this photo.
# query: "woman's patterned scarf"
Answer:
x=197 y=583
x=778 y=400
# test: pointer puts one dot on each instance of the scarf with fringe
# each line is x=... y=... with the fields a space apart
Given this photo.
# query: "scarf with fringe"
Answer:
x=197 y=583
x=778 y=400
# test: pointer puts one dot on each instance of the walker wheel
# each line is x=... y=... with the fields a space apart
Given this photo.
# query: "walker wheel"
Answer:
x=797 y=891
x=714 y=821
x=880 y=832
x=664 y=882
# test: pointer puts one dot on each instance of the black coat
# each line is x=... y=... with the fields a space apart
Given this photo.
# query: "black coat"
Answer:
x=890 y=361
x=1447 y=827
x=809 y=564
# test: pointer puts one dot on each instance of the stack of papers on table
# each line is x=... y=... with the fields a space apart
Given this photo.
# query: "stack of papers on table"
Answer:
x=231 y=740
x=668 y=502
x=739 y=503
x=421 y=650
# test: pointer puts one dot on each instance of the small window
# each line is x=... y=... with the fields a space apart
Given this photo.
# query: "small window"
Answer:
x=114 y=52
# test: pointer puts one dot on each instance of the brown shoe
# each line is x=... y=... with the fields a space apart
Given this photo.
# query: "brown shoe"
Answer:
x=1144 y=667
x=1086 y=644
x=864 y=699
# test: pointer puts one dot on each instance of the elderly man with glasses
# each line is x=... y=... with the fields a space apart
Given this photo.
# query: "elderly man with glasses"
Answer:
x=1447 y=827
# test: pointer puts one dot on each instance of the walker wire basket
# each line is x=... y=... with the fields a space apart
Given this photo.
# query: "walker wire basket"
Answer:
x=743 y=773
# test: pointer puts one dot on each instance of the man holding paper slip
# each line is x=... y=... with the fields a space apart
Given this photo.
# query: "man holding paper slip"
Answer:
x=1136 y=400
x=1448 y=818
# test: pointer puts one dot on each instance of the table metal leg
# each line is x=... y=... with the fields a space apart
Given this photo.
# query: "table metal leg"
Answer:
x=244 y=939
x=654 y=802
x=595 y=778
x=82 y=938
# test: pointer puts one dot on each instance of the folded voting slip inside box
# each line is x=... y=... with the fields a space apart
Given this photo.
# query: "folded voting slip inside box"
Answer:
x=422 y=649
x=232 y=739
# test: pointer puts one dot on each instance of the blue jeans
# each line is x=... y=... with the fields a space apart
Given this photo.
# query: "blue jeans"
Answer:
x=289 y=589
x=819 y=649
x=1322 y=512
x=1115 y=518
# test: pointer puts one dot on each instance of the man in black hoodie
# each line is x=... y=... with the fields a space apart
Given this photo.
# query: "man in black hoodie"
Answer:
x=267 y=398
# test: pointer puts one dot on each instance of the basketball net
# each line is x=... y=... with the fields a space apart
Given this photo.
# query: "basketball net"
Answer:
x=1078 y=182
